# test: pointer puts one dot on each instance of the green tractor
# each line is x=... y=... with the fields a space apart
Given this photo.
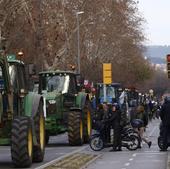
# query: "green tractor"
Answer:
x=65 y=107
x=22 y=122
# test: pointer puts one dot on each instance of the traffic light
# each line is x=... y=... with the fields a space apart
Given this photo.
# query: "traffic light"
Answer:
x=168 y=64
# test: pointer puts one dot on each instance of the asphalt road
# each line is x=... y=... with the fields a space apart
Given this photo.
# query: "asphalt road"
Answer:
x=143 y=158
x=58 y=147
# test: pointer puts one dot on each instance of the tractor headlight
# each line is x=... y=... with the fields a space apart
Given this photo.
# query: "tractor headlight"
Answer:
x=52 y=101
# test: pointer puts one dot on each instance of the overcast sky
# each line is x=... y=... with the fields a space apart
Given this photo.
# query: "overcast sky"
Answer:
x=157 y=15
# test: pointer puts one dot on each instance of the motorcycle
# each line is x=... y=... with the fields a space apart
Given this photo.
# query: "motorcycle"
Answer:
x=129 y=138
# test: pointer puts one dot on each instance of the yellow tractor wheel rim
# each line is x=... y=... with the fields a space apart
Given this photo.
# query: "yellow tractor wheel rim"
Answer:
x=42 y=132
x=30 y=144
x=81 y=129
x=88 y=123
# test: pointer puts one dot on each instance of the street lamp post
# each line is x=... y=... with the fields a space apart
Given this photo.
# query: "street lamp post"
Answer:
x=78 y=40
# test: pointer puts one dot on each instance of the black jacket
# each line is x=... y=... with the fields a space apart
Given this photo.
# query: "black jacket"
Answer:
x=165 y=113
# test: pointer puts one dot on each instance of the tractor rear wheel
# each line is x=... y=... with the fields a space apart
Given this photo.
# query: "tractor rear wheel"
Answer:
x=87 y=122
x=38 y=150
x=47 y=138
x=75 y=128
x=21 y=142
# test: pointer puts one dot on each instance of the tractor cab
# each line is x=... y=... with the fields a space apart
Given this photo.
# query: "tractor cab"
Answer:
x=113 y=92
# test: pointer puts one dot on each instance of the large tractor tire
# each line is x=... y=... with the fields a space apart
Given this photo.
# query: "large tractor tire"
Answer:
x=75 y=128
x=87 y=122
x=21 y=142
x=39 y=122
x=47 y=138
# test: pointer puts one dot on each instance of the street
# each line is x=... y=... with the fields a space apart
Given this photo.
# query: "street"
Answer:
x=58 y=147
x=143 y=158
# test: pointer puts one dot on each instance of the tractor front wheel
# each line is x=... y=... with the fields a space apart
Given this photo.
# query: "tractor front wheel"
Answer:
x=75 y=128
x=87 y=122
x=38 y=150
x=22 y=142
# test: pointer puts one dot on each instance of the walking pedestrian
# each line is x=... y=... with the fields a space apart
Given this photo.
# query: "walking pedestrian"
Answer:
x=142 y=121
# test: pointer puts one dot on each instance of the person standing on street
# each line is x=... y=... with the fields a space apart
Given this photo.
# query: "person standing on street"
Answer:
x=165 y=117
x=115 y=118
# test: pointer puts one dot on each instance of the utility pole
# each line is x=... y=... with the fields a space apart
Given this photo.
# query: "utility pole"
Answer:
x=78 y=40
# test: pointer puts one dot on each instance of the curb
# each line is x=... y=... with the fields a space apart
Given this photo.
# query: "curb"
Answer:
x=91 y=161
x=59 y=158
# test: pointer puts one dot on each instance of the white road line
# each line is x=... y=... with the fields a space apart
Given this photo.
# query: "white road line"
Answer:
x=60 y=153
x=148 y=153
x=131 y=159
x=57 y=159
x=127 y=164
x=133 y=155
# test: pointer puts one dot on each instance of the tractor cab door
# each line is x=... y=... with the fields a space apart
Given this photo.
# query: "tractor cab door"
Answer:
x=70 y=96
x=3 y=98
x=18 y=83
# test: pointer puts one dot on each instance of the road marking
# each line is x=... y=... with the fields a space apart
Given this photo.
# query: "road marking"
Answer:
x=60 y=153
x=127 y=164
x=134 y=155
x=131 y=159
x=57 y=159
x=148 y=153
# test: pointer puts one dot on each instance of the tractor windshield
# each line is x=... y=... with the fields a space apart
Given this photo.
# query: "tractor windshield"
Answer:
x=58 y=83
x=1 y=79
x=110 y=92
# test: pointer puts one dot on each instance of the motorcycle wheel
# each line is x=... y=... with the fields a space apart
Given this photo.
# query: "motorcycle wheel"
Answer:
x=160 y=143
x=134 y=142
x=96 y=143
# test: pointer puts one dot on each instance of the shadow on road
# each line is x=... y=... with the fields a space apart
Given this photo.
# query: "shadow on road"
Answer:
x=58 y=145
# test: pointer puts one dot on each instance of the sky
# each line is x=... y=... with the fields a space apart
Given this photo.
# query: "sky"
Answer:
x=157 y=16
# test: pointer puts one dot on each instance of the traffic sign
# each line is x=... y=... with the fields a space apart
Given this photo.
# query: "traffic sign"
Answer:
x=107 y=73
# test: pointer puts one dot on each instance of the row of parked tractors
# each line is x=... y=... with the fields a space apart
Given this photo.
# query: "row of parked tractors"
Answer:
x=28 y=119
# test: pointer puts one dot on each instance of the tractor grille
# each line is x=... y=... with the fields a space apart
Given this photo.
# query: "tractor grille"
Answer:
x=51 y=108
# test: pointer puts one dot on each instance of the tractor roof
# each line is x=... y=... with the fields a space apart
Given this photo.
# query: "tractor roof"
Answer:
x=57 y=72
x=112 y=84
x=12 y=59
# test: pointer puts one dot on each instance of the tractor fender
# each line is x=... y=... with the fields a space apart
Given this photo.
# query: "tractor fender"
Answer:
x=75 y=109
x=32 y=101
x=31 y=104
x=81 y=99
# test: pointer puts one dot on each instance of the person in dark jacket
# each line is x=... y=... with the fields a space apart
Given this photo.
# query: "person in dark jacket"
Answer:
x=165 y=117
x=115 y=119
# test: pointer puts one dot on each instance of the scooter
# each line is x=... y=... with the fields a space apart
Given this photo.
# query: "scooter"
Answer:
x=129 y=138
